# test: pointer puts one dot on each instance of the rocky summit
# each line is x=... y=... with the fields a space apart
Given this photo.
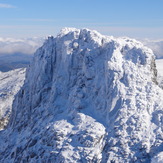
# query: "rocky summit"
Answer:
x=87 y=98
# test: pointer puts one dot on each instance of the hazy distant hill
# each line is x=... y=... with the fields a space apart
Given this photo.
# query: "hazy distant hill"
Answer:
x=17 y=53
x=13 y=61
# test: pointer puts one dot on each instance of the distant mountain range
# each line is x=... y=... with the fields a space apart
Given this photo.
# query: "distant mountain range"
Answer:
x=14 y=61
x=17 y=53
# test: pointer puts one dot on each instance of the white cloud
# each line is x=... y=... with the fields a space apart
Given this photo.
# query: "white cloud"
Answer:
x=29 y=45
x=25 y=46
x=3 y=5
x=155 y=45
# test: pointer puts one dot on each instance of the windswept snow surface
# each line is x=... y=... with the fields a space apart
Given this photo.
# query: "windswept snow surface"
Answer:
x=10 y=83
x=87 y=98
x=159 y=64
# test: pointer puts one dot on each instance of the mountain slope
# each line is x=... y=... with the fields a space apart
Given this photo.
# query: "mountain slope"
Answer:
x=86 y=98
x=10 y=83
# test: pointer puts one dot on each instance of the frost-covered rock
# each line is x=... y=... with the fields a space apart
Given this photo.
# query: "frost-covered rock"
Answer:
x=158 y=158
x=10 y=83
x=86 y=98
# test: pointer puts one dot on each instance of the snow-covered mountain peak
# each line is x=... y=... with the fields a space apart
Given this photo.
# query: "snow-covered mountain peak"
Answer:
x=87 y=98
x=85 y=39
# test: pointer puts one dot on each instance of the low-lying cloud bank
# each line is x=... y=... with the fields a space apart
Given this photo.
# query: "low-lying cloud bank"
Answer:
x=29 y=45
x=24 y=46
x=156 y=46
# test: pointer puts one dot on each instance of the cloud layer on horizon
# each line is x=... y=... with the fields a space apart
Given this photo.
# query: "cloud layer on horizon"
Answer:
x=156 y=46
x=24 y=46
x=30 y=45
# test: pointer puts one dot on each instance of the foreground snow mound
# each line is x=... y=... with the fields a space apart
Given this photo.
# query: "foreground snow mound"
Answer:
x=86 y=98
x=10 y=83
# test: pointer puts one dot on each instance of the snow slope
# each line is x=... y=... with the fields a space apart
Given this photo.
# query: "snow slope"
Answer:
x=10 y=83
x=159 y=64
x=87 y=98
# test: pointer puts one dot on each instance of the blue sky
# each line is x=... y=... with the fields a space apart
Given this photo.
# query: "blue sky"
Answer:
x=28 y=18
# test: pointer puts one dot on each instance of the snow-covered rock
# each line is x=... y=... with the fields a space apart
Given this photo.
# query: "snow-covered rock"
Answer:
x=10 y=83
x=158 y=158
x=86 y=98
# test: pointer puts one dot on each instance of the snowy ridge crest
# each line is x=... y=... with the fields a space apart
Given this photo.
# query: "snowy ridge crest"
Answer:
x=87 y=98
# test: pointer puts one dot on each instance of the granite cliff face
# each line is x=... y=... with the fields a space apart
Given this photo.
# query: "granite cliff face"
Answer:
x=86 y=98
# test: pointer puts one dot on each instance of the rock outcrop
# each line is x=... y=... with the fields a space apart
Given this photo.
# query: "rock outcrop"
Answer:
x=86 y=98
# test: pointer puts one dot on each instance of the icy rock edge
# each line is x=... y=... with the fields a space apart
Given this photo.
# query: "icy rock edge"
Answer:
x=86 y=98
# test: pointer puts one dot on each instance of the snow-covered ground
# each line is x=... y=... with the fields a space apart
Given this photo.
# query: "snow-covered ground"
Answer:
x=10 y=83
x=159 y=65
